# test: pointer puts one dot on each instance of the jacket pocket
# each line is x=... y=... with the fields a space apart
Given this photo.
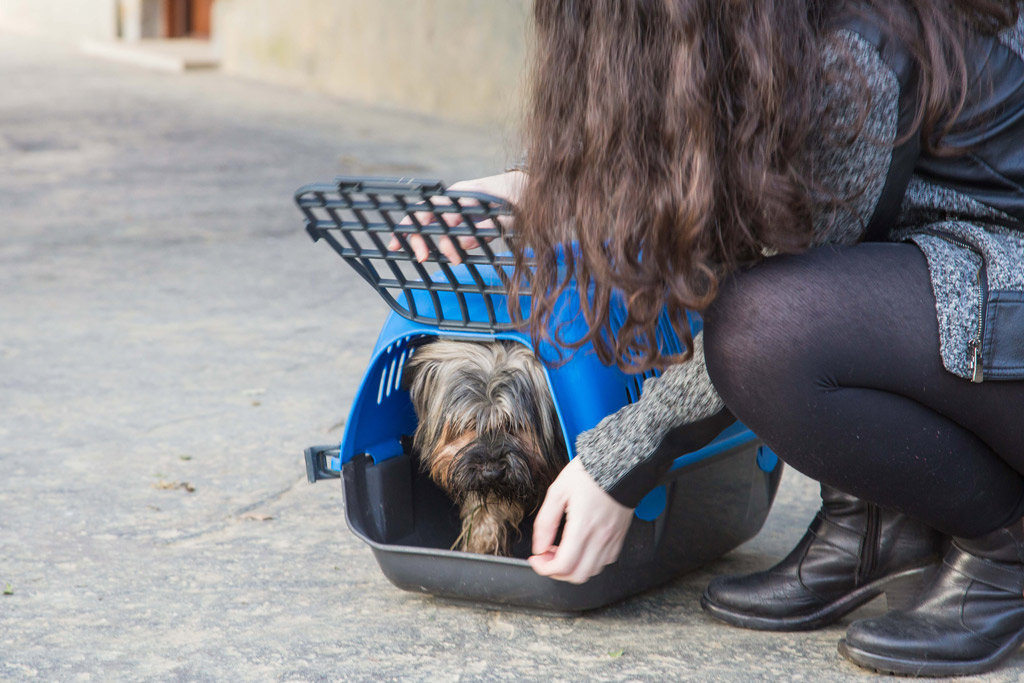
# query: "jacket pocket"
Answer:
x=1003 y=342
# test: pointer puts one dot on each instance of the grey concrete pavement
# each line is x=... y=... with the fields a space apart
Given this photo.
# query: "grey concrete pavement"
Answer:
x=165 y=322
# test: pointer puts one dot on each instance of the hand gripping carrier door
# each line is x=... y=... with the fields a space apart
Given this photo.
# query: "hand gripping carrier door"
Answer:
x=712 y=500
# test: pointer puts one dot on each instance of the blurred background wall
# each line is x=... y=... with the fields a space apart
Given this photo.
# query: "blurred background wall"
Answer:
x=67 y=19
x=458 y=59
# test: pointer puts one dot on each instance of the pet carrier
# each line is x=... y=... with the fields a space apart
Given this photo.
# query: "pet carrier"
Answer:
x=710 y=501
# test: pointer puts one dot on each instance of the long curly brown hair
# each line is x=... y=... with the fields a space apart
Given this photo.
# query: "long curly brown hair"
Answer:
x=664 y=139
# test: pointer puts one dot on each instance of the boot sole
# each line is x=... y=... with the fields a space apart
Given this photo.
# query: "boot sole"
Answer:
x=897 y=587
x=930 y=668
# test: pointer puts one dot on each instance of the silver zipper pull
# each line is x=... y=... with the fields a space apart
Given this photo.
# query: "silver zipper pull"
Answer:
x=977 y=371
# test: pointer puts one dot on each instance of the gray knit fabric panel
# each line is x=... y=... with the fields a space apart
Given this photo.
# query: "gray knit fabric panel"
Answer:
x=953 y=273
x=1013 y=38
x=682 y=394
x=852 y=169
x=954 y=269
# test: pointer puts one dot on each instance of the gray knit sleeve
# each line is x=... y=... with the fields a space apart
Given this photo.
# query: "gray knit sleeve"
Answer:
x=619 y=451
x=860 y=157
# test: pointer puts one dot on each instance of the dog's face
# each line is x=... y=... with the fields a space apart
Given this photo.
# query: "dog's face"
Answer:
x=487 y=433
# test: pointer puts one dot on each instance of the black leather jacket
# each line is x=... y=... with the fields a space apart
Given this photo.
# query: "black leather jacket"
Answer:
x=990 y=129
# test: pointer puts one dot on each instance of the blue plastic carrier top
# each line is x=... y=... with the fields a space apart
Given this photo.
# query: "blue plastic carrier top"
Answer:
x=357 y=216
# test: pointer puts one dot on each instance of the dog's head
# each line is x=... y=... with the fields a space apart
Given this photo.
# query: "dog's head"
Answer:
x=487 y=424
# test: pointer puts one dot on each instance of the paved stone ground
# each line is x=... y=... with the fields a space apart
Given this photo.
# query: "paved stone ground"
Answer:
x=163 y=320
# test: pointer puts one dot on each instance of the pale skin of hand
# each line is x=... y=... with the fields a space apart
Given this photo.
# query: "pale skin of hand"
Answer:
x=507 y=186
x=595 y=527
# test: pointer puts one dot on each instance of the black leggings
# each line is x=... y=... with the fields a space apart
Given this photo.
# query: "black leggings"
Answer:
x=832 y=357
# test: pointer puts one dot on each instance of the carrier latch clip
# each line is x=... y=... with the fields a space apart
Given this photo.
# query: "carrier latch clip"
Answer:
x=323 y=462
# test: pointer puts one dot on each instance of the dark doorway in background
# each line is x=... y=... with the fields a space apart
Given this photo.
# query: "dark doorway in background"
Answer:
x=187 y=18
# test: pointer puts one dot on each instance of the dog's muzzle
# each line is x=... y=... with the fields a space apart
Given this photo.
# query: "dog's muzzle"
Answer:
x=498 y=465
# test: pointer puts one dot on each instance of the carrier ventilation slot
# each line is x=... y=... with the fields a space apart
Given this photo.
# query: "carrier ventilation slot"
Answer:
x=391 y=373
x=635 y=385
x=667 y=340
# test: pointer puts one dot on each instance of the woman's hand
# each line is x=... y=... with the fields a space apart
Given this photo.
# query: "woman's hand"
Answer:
x=595 y=527
x=507 y=186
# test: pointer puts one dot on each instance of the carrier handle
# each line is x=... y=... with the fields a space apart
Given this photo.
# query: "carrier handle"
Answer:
x=427 y=188
x=323 y=462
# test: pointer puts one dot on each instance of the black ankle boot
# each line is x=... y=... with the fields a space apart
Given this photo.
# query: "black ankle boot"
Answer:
x=852 y=552
x=966 y=620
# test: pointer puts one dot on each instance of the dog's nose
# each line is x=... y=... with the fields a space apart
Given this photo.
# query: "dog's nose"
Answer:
x=492 y=472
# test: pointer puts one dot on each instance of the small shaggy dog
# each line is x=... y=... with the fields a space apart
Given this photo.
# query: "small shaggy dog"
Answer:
x=487 y=435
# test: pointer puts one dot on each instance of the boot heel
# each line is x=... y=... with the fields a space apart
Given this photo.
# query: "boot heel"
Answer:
x=900 y=592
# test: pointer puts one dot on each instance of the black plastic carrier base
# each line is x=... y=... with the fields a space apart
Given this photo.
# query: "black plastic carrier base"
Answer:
x=712 y=506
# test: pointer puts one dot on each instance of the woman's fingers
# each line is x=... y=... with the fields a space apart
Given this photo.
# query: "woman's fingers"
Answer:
x=599 y=546
x=562 y=561
x=548 y=519
x=421 y=251
x=595 y=527
x=416 y=243
x=565 y=559
x=444 y=244
x=447 y=247
x=580 y=557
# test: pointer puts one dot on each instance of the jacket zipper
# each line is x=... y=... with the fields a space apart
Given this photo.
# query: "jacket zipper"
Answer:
x=974 y=345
